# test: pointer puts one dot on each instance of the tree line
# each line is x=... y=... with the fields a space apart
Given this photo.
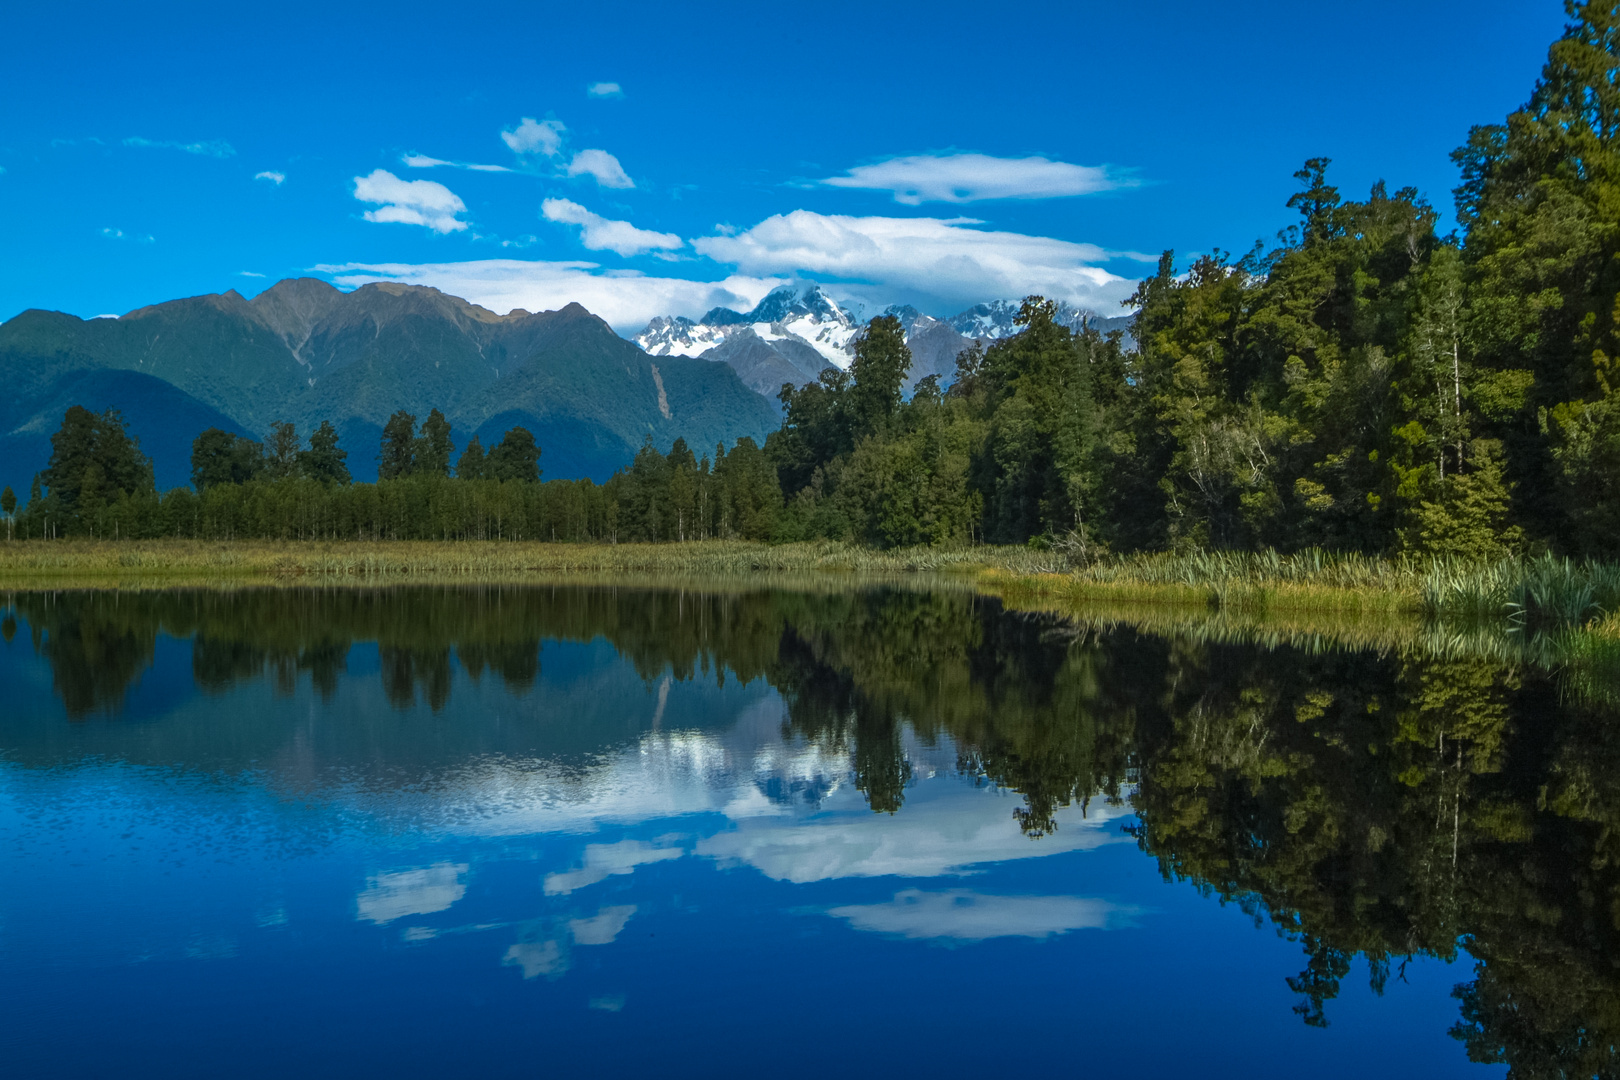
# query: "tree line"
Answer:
x=1364 y=384
x=99 y=484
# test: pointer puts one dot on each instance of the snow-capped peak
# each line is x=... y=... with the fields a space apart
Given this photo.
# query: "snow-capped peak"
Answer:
x=679 y=336
x=999 y=319
x=805 y=313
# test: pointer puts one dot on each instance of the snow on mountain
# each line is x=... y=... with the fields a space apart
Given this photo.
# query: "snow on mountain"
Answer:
x=679 y=336
x=794 y=321
x=808 y=316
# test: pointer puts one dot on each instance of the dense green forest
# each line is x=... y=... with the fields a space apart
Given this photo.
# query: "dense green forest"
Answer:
x=1365 y=384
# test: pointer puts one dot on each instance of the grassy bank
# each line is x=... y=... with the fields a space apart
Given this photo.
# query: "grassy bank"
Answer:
x=45 y=563
x=1340 y=596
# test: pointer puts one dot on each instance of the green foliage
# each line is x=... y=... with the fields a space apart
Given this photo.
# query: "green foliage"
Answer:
x=281 y=452
x=879 y=370
x=516 y=457
x=324 y=460
x=396 y=457
x=433 y=447
x=94 y=462
x=471 y=464
x=218 y=457
x=8 y=501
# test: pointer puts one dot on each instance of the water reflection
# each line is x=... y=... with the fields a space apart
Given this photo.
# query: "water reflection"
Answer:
x=1386 y=806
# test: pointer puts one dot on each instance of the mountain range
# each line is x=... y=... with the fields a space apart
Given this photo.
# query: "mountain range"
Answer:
x=306 y=352
x=795 y=333
x=303 y=351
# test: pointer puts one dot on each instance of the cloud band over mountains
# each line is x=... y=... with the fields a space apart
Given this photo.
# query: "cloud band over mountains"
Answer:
x=941 y=263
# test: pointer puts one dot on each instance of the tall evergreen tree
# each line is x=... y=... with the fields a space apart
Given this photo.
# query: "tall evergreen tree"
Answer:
x=879 y=370
x=471 y=465
x=397 y=455
x=281 y=452
x=433 y=448
x=324 y=460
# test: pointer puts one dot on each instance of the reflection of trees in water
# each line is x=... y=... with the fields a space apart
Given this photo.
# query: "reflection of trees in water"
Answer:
x=1380 y=806
x=97 y=646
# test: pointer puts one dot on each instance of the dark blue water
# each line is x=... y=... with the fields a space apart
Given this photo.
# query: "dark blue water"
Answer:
x=605 y=856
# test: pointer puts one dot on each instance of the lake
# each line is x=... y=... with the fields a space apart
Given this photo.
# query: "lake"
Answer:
x=609 y=831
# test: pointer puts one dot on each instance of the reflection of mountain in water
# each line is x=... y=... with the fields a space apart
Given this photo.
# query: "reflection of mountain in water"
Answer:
x=1369 y=804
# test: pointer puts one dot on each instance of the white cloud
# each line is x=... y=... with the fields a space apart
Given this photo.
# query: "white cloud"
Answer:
x=603 y=166
x=604 y=90
x=964 y=915
x=925 y=257
x=119 y=234
x=536 y=958
x=625 y=298
x=952 y=830
x=958 y=178
x=422 y=161
x=603 y=927
x=603 y=234
x=217 y=148
x=606 y=860
x=535 y=136
x=411 y=892
x=248 y=273
x=275 y=178
x=410 y=202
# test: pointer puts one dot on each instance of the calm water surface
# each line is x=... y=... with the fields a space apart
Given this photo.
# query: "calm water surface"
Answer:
x=589 y=831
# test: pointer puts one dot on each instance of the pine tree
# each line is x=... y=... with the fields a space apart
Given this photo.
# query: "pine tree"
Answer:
x=879 y=370
x=397 y=455
x=471 y=465
x=433 y=448
x=281 y=452
x=324 y=460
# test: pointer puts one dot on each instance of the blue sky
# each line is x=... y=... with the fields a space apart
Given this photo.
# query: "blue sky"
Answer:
x=657 y=158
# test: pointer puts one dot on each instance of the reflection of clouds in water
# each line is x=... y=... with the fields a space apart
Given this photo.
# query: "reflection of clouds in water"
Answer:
x=940 y=831
x=603 y=927
x=536 y=958
x=605 y=860
x=666 y=774
x=969 y=916
x=211 y=947
x=411 y=892
x=608 y=1003
x=550 y=957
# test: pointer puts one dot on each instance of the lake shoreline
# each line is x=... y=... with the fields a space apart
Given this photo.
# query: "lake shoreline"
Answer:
x=1305 y=589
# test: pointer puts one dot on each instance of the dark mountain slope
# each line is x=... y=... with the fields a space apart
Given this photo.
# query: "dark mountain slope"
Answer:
x=164 y=419
x=303 y=351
